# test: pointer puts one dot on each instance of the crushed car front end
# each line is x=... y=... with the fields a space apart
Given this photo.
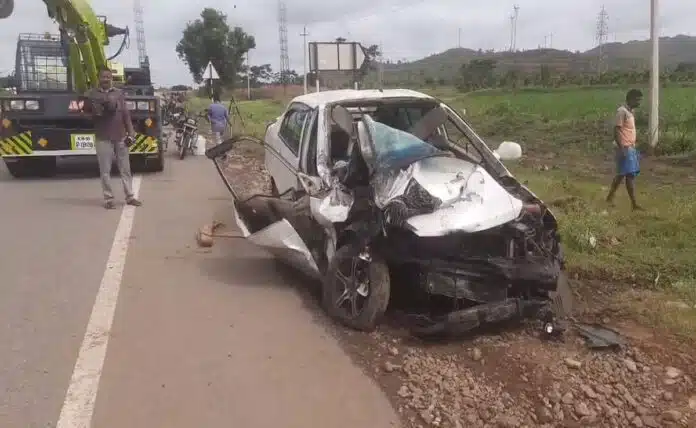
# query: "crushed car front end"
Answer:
x=476 y=251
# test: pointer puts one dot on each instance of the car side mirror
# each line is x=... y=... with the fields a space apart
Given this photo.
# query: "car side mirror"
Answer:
x=311 y=185
x=508 y=151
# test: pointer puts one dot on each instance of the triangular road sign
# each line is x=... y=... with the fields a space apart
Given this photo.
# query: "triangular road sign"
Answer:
x=210 y=72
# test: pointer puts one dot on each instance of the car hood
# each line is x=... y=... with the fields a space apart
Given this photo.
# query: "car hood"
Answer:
x=464 y=196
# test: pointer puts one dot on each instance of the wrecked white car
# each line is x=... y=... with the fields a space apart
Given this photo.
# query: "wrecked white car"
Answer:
x=394 y=201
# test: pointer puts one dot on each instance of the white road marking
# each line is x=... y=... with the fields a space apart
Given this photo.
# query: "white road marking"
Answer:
x=81 y=396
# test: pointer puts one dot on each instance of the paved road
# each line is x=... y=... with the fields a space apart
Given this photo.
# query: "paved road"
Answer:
x=199 y=338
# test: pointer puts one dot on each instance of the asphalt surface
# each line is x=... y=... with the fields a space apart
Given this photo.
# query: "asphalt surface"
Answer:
x=200 y=337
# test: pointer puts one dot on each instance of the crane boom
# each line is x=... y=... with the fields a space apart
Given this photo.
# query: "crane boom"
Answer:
x=83 y=33
x=43 y=119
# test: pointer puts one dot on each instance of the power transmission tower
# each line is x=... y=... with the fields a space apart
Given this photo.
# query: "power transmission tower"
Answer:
x=304 y=35
x=140 y=34
x=283 y=36
x=601 y=38
x=515 y=15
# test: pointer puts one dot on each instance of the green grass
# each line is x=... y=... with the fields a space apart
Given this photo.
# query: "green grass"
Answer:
x=577 y=118
x=255 y=115
x=566 y=135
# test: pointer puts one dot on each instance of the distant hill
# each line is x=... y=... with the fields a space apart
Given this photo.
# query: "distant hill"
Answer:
x=633 y=55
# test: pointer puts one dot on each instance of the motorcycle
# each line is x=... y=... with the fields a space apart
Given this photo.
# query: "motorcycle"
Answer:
x=187 y=133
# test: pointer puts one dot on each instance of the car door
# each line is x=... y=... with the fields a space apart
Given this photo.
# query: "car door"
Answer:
x=286 y=141
x=278 y=224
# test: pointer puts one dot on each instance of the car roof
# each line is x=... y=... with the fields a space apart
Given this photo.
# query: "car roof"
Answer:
x=317 y=99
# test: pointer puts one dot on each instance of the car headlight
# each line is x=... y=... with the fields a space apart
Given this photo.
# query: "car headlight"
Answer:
x=17 y=104
x=32 y=104
x=143 y=105
x=130 y=105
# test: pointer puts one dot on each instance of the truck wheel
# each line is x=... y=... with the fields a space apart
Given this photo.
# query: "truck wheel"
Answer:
x=19 y=168
x=158 y=163
x=356 y=291
x=34 y=167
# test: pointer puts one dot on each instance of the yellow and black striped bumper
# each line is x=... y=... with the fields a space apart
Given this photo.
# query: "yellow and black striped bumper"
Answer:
x=21 y=145
x=144 y=144
x=17 y=145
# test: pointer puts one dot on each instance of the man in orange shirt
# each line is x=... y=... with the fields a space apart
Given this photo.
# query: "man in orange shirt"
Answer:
x=626 y=155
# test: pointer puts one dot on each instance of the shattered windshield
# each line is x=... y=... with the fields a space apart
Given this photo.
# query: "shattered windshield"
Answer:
x=396 y=149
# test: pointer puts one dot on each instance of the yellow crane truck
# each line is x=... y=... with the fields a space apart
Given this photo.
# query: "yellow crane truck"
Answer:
x=42 y=120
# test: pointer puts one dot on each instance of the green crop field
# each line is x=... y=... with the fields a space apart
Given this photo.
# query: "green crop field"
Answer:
x=578 y=117
x=566 y=136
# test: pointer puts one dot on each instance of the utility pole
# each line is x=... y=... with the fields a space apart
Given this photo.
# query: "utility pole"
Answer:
x=381 y=67
x=654 y=74
x=248 y=75
x=516 y=14
x=601 y=38
x=304 y=35
x=551 y=41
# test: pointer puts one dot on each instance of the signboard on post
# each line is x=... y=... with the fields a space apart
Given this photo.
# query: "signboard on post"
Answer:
x=210 y=74
x=336 y=57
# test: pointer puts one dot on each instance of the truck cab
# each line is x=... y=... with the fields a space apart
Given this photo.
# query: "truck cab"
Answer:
x=44 y=121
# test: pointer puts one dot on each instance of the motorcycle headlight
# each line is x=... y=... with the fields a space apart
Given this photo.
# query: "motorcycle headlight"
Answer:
x=131 y=105
x=191 y=121
x=17 y=104
x=32 y=104
x=143 y=105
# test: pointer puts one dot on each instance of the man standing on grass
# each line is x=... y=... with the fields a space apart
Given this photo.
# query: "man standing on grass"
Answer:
x=626 y=155
x=218 y=117
x=114 y=134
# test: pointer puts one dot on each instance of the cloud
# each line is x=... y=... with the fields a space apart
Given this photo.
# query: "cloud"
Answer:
x=406 y=29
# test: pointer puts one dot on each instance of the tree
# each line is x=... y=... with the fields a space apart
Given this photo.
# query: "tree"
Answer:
x=210 y=38
x=259 y=74
x=477 y=74
x=289 y=78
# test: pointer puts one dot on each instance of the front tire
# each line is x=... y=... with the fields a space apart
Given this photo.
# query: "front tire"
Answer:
x=356 y=291
x=183 y=148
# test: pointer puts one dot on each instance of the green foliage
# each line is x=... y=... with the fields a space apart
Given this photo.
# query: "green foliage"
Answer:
x=577 y=118
x=210 y=38
x=676 y=53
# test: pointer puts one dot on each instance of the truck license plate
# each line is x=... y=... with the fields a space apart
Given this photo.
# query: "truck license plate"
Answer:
x=82 y=141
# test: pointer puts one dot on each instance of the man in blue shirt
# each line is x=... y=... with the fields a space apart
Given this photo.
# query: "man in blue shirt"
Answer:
x=218 y=117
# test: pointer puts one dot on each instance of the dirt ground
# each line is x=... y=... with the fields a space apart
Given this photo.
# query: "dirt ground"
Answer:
x=514 y=378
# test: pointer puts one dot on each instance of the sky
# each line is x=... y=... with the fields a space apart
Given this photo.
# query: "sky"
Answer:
x=406 y=29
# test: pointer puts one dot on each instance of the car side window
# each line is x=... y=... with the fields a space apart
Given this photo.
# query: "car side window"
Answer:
x=291 y=129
